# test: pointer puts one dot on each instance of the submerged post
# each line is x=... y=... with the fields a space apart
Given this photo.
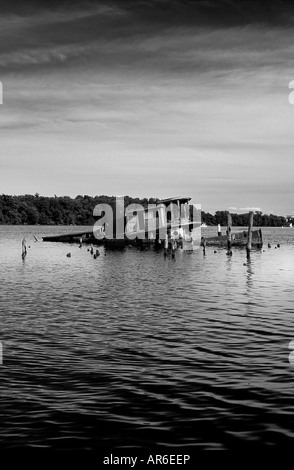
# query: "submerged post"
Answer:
x=23 y=248
x=249 y=236
x=204 y=246
x=229 y=234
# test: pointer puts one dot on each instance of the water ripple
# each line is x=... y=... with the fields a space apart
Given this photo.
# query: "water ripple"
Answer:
x=133 y=350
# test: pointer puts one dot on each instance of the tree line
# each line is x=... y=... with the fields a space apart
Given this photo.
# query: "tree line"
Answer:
x=63 y=210
x=241 y=220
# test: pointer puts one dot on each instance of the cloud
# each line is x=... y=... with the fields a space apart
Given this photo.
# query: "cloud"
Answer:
x=248 y=209
x=244 y=209
x=156 y=36
x=158 y=96
x=33 y=57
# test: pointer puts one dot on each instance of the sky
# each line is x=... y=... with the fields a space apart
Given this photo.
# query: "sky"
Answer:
x=149 y=98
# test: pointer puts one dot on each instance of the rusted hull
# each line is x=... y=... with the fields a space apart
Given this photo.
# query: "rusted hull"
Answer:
x=87 y=237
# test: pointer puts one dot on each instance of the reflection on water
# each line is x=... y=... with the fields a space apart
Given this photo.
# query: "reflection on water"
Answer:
x=137 y=350
x=249 y=278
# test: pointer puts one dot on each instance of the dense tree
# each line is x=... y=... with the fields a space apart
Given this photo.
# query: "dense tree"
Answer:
x=63 y=210
x=241 y=220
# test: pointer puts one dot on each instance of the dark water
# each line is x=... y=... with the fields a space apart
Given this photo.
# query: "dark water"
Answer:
x=135 y=351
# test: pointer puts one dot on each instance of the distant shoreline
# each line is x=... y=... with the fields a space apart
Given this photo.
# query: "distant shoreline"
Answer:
x=63 y=210
x=244 y=227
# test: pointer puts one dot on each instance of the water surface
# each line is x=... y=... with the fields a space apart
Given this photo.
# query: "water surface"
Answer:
x=134 y=350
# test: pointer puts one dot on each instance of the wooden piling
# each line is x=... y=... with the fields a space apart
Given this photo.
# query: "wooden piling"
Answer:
x=204 y=246
x=249 y=236
x=23 y=248
x=229 y=234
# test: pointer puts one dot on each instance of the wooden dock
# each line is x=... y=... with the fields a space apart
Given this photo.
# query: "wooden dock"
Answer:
x=236 y=239
x=75 y=237
x=245 y=238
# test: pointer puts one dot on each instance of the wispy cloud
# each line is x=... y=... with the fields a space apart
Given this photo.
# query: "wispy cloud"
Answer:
x=161 y=97
x=244 y=209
